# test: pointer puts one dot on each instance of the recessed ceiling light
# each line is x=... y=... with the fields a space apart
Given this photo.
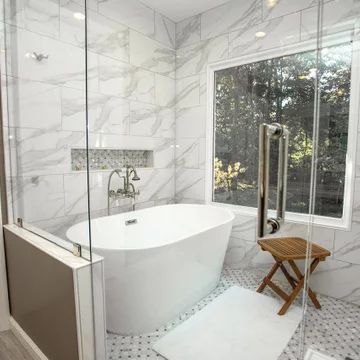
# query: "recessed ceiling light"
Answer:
x=271 y=3
x=79 y=16
x=260 y=34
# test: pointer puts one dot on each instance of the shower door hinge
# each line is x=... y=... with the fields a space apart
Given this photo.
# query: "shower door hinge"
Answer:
x=77 y=250
x=20 y=222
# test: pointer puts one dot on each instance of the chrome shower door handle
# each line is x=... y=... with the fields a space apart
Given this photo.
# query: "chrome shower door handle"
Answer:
x=267 y=132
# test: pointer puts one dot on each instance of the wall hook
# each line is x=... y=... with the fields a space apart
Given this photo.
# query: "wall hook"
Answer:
x=39 y=57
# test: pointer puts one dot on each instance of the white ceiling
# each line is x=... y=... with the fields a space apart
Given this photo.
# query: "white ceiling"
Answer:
x=178 y=10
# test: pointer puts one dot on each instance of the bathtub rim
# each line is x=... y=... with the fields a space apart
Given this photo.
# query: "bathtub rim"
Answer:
x=181 y=238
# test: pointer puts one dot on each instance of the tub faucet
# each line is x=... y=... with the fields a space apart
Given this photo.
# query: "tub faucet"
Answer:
x=128 y=191
x=112 y=194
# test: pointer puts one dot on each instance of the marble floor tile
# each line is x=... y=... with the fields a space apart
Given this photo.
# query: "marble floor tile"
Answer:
x=333 y=331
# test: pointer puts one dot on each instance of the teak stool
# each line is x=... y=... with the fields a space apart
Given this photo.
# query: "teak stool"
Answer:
x=290 y=249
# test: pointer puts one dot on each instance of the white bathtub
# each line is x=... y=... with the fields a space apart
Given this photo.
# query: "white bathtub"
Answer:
x=159 y=266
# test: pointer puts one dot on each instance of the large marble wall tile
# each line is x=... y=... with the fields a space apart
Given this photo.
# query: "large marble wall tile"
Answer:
x=235 y=257
x=190 y=184
x=91 y=4
x=75 y=190
x=242 y=254
x=112 y=116
x=40 y=16
x=279 y=32
x=244 y=228
x=124 y=142
x=121 y=79
x=188 y=31
x=65 y=64
x=356 y=201
x=164 y=90
x=33 y=104
x=203 y=89
x=187 y=153
x=73 y=106
x=337 y=279
x=234 y=15
x=151 y=120
x=347 y=245
x=155 y=184
x=42 y=152
x=106 y=114
x=164 y=153
x=164 y=30
x=357 y=163
x=202 y=153
x=188 y=92
x=338 y=15
x=131 y=13
x=190 y=122
x=150 y=54
x=105 y=36
x=38 y=197
x=72 y=23
x=192 y=59
x=273 y=9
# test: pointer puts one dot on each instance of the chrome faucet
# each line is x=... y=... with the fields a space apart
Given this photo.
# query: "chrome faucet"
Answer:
x=111 y=194
x=128 y=191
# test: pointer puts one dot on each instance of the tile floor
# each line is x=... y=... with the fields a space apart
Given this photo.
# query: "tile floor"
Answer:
x=334 y=330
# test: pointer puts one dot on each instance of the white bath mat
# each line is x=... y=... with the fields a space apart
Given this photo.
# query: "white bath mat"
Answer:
x=238 y=325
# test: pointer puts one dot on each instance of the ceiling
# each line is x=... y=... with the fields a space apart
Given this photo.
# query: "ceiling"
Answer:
x=178 y=10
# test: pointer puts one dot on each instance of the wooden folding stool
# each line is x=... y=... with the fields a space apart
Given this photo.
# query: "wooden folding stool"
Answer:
x=290 y=249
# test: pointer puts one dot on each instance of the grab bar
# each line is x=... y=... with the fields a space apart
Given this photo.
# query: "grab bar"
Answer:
x=266 y=133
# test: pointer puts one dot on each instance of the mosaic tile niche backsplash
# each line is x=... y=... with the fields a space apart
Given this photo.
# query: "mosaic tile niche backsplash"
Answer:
x=107 y=159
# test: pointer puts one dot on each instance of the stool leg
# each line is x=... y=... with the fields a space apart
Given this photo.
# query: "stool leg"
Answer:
x=292 y=297
x=299 y=285
x=299 y=275
x=268 y=277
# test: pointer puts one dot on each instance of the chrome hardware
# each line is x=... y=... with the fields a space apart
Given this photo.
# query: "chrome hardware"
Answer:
x=128 y=191
x=36 y=56
x=131 y=222
x=20 y=222
x=267 y=132
x=76 y=250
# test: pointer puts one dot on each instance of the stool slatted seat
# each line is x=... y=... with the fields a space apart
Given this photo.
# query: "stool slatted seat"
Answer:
x=290 y=249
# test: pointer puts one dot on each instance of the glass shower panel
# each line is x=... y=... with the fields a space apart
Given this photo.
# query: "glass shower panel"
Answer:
x=334 y=330
x=43 y=77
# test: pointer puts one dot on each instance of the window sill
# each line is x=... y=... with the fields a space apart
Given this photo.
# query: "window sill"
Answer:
x=290 y=217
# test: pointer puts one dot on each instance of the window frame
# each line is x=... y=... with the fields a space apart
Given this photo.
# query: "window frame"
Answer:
x=343 y=223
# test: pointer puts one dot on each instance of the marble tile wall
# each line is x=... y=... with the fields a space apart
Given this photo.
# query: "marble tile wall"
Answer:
x=131 y=83
x=227 y=32
x=147 y=87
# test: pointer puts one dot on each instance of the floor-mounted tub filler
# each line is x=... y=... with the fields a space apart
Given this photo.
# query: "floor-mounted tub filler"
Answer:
x=158 y=261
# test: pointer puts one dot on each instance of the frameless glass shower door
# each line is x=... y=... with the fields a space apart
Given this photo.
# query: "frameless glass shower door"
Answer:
x=334 y=190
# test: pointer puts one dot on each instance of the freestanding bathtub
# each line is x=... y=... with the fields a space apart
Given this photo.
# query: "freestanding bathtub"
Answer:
x=158 y=261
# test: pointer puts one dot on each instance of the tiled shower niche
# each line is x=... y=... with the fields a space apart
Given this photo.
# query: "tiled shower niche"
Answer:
x=107 y=159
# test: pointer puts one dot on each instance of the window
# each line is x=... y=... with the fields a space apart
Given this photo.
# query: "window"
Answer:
x=281 y=89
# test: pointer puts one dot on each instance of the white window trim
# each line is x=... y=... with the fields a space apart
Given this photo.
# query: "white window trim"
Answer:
x=343 y=223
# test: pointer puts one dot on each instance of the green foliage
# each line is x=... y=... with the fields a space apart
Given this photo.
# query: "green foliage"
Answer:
x=282 y=90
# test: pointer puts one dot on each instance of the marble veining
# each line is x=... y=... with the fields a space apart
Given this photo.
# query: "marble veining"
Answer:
x=151 y=55
x=188 y=31
x=234 y=15
x=193 y=59
x=280 y=32
x=164 y=30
